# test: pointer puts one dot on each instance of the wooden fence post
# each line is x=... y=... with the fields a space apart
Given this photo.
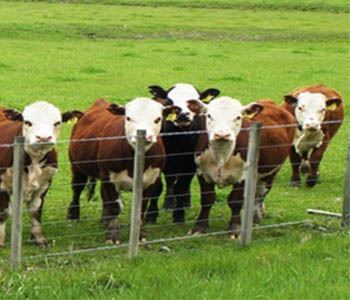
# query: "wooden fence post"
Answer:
x=346 y=200
x=137 y=191
x=17 y=202
x=250 y=183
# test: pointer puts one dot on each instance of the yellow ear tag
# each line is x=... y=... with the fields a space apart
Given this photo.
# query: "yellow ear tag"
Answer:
x=171 y=117
x=207 y=99
x=249 y=116
x=73 y=120
x=332 y=107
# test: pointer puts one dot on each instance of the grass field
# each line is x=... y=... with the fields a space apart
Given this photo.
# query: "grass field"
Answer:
x=72 y=53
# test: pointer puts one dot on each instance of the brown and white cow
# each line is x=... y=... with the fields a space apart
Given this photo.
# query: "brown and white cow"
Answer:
x=222 y=152
x=107 y=153
x=319 y=112
x=39 y=123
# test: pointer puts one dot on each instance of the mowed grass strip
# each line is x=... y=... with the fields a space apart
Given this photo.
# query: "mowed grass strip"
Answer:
x=72 y=69
x=59 y=21
x=336 y=6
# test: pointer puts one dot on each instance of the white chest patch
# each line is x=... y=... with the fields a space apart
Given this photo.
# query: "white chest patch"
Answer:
x=233 y=171
x=305 y=141
x=36 y=180
x=123 y=182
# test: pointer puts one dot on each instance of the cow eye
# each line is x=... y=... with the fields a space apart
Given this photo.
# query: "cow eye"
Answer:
x=27 y=123
x=57 y=123
x=128 y=119
x=238 y=118
x=300 y=108
x=157 y=120
x=209 y=116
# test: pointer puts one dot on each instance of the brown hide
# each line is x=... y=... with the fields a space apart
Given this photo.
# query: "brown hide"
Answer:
x=275 y=142
x=113 y=153
x=337 y=115
x=9 y=130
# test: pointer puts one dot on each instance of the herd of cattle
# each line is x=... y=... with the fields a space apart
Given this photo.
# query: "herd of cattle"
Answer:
x=187 y=133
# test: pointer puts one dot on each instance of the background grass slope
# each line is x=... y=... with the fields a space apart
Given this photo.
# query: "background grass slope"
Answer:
x=71 y=54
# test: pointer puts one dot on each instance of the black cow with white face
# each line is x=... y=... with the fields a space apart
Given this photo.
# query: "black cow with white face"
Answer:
x=180 y=166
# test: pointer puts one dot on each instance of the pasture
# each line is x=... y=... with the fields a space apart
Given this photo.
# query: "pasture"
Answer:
x=73 y=53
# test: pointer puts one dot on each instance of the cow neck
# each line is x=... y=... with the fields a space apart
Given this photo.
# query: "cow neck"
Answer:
x=222 y=151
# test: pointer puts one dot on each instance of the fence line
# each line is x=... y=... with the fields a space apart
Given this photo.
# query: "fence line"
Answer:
x=135 y=226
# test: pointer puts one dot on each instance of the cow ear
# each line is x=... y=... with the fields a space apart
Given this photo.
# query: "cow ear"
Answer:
x=160 y=95
x=290 y=99
x=72 y=116
x=208 y=95
x=13 y=115
x=251 y=110
x=196 y=106
x=117 y=110
x=170 y=113
x=332 y=104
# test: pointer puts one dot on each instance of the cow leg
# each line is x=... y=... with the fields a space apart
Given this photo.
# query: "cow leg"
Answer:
x=235 y=202
x=112 y=206
x=152 y=212
x=208 y=198
x=90 y=188
x=315 y=159
x=78 y=184
x=183 y=197
x=35 y=211
x=169 y=199
x=263 y=188
x=4 y=214
x=295 y=160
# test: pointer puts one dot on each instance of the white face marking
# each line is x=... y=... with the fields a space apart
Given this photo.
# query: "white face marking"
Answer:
x=310 y=110
x=180 y=94
x=223 y=119
x=41 y=123
x=143 y=114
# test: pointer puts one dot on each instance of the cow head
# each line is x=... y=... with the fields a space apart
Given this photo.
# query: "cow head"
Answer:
x=41 y=124
x=181 y=96
x=224 y=117
x=141 y=114
x=310 y=109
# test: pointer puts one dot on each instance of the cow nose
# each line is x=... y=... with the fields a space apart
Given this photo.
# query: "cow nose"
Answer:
x=149 y=139
x=221 y=136
x=42 y=139
x=311 y=126
x=183 y=117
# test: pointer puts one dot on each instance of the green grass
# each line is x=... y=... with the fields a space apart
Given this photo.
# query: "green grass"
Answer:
x=72 y=54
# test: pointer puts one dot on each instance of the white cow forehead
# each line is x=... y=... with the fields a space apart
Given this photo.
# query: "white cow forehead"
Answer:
x=181 y=93
x=141 y=108
x=41 y=111
x=312 y=100
x=224 y=106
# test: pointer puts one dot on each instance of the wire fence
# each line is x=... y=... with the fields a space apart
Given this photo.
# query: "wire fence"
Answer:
x=245 y=194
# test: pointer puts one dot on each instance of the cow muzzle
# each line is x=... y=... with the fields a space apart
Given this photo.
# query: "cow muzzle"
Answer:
x=183 y=120
x=222 y=136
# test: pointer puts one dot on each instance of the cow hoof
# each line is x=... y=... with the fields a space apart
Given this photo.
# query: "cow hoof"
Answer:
x=169 y=203
x=232 y=237
x=295 y=184
x=311 y=181
x=73 y=215
x=143 y=240
x=151 y=219
x=112 y=242
x=234 y=231
x=2 y=246
x=197 y=230
x=42 y=244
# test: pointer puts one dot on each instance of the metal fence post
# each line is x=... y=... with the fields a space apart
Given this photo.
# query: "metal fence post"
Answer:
x=17 y=202
x=137 y=189
x=250 y=183
x=346 y=200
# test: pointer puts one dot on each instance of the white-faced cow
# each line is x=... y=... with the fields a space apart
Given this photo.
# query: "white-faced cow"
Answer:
x=180 y=167
x=221 y=153
x=102 y=146
x=319 y=112
x=40 y=124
